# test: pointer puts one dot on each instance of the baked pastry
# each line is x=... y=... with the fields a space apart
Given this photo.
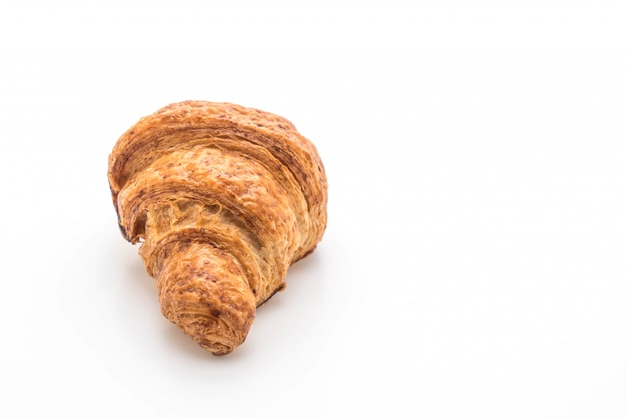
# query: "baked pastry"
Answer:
x=223 y=199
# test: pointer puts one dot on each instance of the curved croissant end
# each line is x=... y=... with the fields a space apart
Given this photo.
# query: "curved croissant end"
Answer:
x=223 y=198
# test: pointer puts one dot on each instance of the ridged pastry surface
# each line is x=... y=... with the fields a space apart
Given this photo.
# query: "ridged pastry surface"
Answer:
x=223 y=199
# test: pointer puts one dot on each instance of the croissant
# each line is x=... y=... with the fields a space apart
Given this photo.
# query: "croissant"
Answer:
x=223 y=199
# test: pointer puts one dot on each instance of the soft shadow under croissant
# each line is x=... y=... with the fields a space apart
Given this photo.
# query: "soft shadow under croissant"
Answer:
x=223 y=199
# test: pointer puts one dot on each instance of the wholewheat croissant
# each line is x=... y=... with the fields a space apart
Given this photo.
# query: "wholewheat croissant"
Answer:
x=223 y=199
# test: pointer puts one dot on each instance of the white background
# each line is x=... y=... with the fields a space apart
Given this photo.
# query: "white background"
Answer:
x=474 y=262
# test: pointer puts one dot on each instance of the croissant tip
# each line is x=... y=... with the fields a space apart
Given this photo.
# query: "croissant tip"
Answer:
x=217 y=349
x=221 y=353
x=123 y=231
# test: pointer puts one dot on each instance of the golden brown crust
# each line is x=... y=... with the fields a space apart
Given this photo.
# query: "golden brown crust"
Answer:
x=224 y=198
